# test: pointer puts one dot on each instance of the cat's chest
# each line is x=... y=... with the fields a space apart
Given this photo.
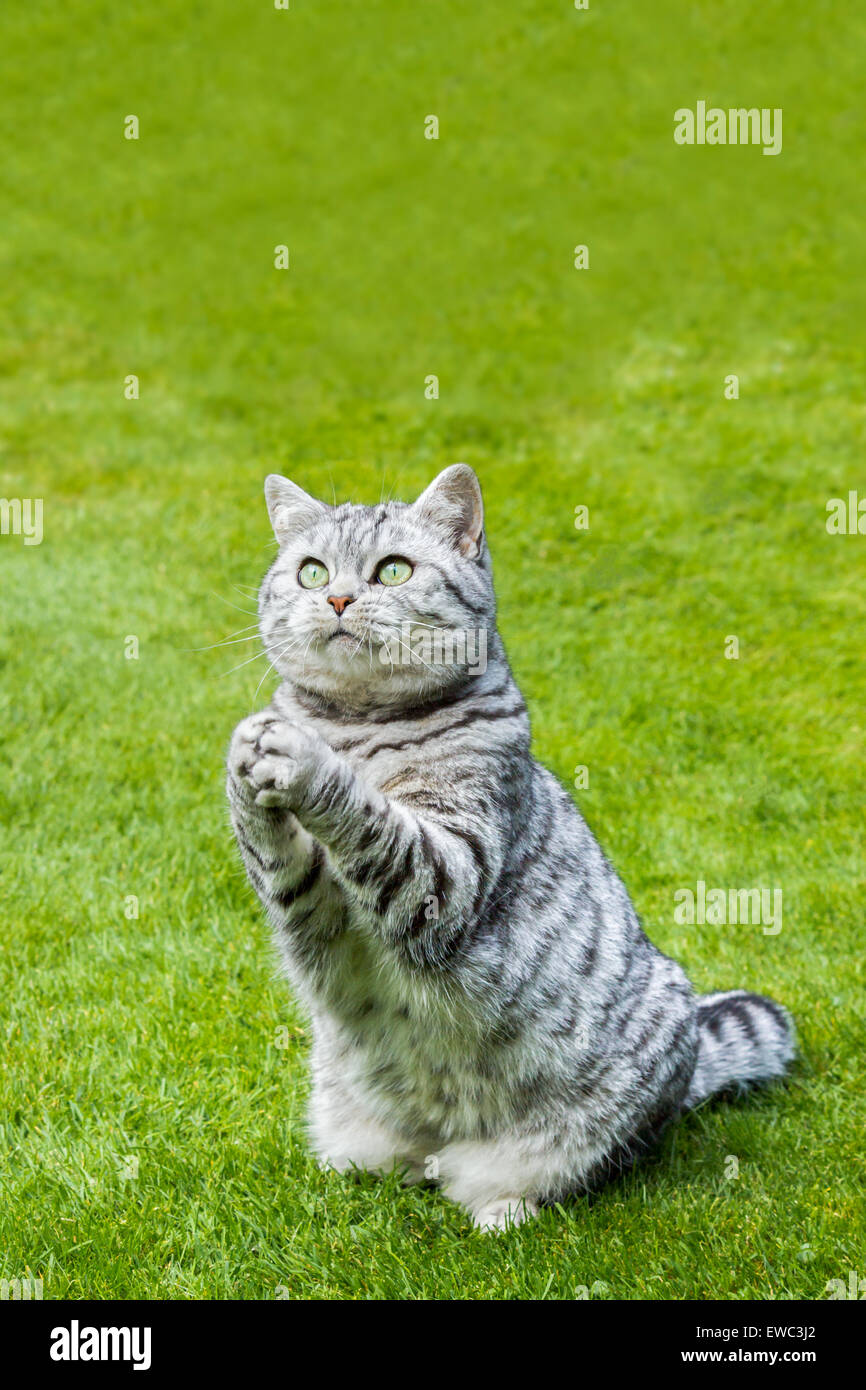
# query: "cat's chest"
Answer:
x=384 y=760
x=379 y=1004
x=373 y=996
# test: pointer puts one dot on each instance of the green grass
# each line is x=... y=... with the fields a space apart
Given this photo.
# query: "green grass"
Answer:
x=157 y=1038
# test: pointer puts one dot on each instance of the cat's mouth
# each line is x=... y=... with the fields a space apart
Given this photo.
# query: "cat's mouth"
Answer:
x=342 y=634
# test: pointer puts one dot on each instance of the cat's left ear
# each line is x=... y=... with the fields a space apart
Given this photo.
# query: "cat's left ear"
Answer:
x=289 y=507
x=452 y=504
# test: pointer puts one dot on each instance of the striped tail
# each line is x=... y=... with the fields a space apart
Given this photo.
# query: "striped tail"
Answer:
x=743 y=1039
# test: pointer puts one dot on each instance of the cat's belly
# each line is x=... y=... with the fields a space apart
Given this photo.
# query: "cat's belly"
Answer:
x=444 y=1093
x=425 y=1086
x=501 y=1048
x=441 y=1079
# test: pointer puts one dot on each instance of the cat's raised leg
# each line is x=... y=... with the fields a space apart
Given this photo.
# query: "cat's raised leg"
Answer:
x=285 y=864
x=419 y=879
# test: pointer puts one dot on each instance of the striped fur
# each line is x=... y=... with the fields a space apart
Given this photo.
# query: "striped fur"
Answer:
x=486 y=1008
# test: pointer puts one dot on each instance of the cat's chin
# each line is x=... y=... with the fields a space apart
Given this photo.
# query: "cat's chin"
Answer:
x=361 y=687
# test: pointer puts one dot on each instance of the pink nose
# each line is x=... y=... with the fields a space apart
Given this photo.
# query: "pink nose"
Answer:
x=338 y=604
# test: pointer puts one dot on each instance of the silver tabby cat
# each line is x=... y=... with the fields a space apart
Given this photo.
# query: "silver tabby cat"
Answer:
x=486 y=1009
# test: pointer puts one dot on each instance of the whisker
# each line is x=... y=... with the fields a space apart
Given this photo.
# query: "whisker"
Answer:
x=249 y=611
x=258 y=656
x=415 y=655
x=291 y=644
x=226 y=642
x=306 y=649
x=270 y=667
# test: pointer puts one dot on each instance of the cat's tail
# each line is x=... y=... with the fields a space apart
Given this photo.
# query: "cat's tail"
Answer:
x=743 y=1039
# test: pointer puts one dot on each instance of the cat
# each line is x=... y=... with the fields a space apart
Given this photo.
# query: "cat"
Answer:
x=486 y=1009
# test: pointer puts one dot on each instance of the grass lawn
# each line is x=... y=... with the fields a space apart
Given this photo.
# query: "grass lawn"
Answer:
x=153 y=1075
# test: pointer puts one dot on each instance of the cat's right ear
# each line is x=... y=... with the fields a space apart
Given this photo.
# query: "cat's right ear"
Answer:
x=289 y=507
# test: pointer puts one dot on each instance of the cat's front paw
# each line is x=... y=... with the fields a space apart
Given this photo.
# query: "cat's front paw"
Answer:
x=273 y=761
x=243 y=754
x=503 y=1213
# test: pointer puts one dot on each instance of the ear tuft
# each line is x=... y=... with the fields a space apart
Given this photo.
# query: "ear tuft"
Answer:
x=289 y=507
x=452 y=504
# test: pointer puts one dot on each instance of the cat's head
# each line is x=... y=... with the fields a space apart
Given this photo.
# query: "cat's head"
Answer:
x=377 y=606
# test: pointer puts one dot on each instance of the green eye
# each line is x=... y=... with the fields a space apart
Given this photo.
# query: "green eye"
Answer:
x=312 y=575
x=394 y=571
